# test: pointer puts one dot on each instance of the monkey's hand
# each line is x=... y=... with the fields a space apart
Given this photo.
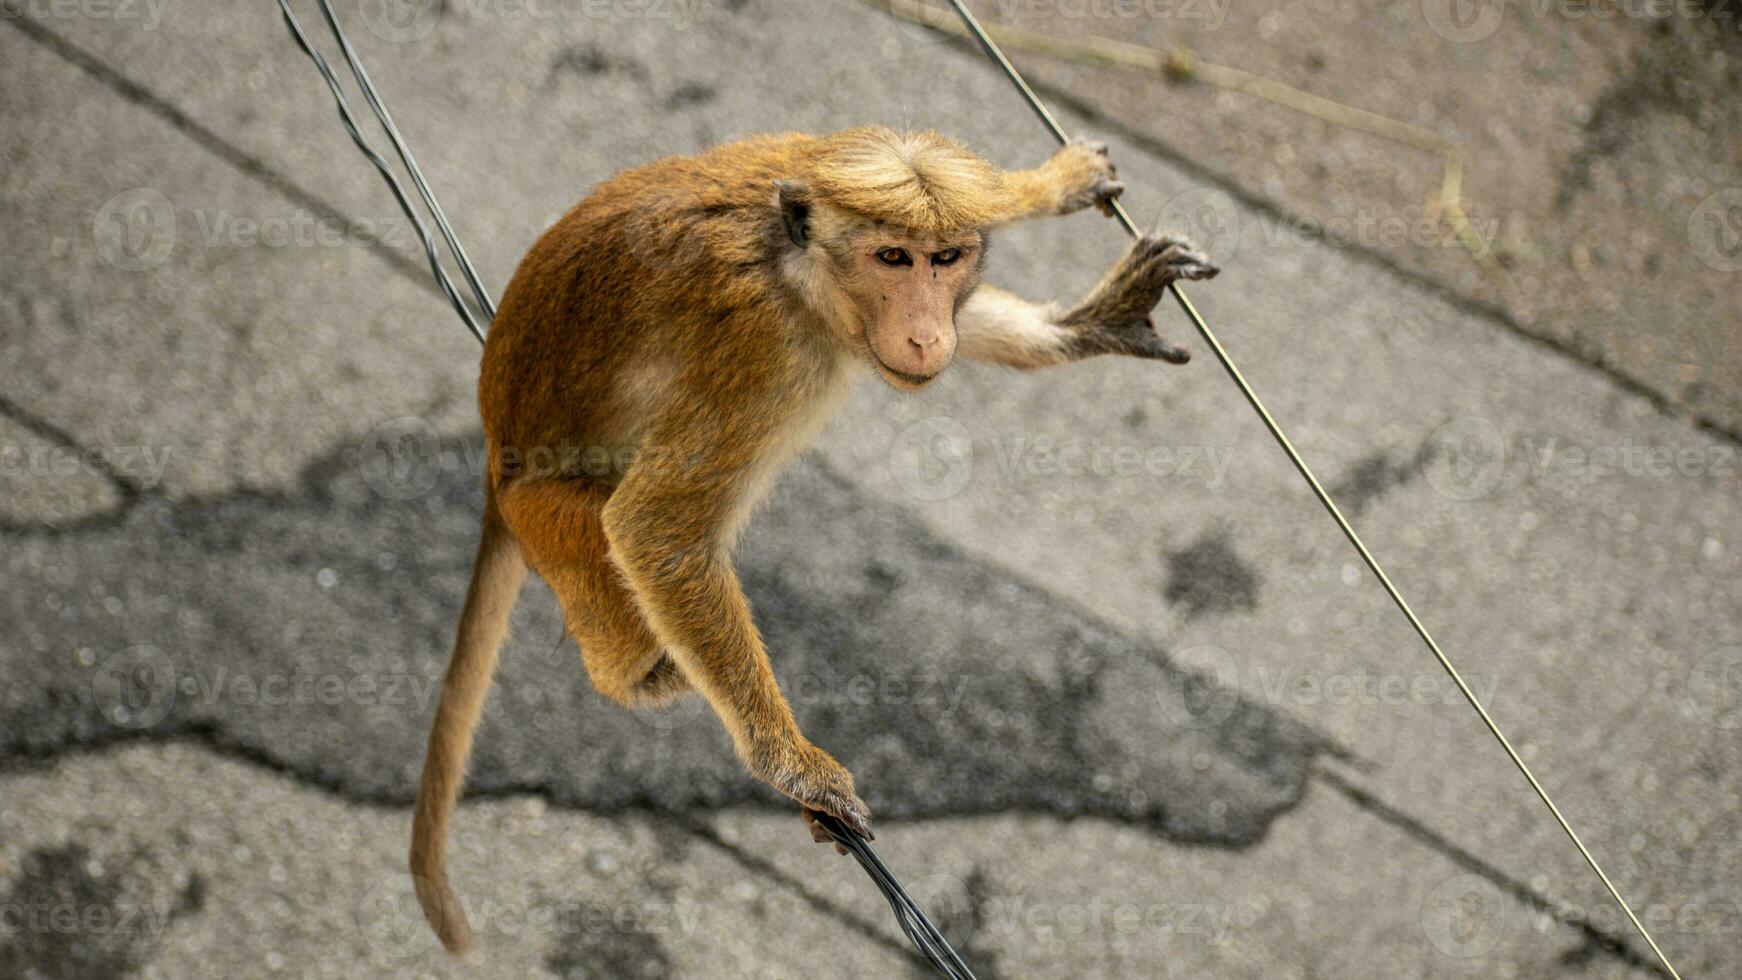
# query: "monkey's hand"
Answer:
x=1114 y=319
x=1081 y=174
x=819 y=783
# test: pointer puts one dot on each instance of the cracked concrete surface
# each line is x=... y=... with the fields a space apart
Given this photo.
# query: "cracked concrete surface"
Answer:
x=1119 y=693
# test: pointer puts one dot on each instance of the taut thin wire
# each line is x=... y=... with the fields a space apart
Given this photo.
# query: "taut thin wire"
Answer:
x=429 y=248
x=1294 y=456
x=479 y=293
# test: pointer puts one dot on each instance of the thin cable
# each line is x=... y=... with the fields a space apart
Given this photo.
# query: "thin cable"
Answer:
x=441 y=219
x=350 y=122
x=1348 y=529
x=919 y=930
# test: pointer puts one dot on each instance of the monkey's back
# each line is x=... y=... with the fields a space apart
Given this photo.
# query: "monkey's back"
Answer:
x=658 y=256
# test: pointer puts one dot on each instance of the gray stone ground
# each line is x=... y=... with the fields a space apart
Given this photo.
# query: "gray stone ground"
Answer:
x=1120 y=696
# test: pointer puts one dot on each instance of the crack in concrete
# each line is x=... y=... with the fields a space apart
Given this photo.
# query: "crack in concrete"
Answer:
x=1594 y=939
x=138 y=94
x=130 y=493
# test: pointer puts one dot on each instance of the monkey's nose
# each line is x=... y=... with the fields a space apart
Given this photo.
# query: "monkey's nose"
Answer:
x=926 y=350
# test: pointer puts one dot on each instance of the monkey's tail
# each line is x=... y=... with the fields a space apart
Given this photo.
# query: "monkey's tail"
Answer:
x=497 y=576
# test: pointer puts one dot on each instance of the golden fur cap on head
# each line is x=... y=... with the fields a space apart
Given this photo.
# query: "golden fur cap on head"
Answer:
x=920 y=180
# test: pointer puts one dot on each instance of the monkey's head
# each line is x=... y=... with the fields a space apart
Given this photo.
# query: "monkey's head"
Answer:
x=887 y=238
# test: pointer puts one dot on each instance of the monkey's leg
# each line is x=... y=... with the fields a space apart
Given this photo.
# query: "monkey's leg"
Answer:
x=1078 y=175
x=668 y=525
x=562 y=533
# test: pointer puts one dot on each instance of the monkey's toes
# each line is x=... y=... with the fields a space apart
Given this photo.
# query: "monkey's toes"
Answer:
x=816 y=781
x=845 y=807
x=819 y=833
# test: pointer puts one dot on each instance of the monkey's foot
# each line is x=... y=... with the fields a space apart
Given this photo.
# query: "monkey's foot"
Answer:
x=819 y=783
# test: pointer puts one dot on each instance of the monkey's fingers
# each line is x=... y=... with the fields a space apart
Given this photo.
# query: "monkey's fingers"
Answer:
x=1135 y=339
x=1142 y=340
x=1166 y=258
x=1192 y=266
x=1105 y=194
x=819 y=833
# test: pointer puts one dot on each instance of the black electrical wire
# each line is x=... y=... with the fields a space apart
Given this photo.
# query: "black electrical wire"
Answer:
x=441 y=219
x=919 y=930
x=350 y=121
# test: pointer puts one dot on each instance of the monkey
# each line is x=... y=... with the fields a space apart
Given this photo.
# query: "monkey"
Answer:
x=698 y=319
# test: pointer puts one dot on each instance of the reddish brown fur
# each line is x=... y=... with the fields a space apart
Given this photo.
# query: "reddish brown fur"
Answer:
x=669 y=321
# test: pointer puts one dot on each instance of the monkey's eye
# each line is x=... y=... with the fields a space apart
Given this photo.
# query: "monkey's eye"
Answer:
x=946 y=256
x=894 y=256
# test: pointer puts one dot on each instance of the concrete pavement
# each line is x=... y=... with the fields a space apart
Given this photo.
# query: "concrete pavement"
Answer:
x=1119 y=693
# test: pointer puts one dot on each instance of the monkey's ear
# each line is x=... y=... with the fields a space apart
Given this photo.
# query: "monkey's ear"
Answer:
x=795 y=210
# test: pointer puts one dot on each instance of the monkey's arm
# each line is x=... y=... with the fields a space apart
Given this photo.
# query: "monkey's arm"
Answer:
x=669 y=525
x=1078 y=175
x=1002 y=328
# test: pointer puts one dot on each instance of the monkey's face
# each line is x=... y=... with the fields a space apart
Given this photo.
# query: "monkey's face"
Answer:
x=908 y=289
